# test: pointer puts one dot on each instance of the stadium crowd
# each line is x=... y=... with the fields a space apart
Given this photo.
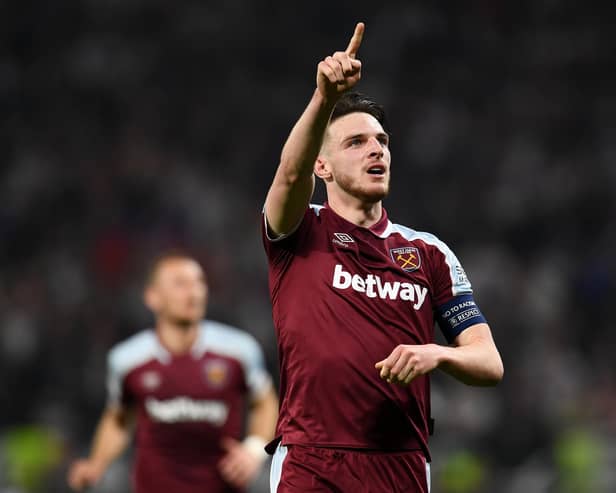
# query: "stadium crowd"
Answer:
x=129 y=127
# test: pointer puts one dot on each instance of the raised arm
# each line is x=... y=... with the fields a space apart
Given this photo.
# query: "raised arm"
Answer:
x=110 y=440
x=293 y=184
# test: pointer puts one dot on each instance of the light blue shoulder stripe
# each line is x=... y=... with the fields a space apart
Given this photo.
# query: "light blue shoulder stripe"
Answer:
x=459 y=282
x=127 y=355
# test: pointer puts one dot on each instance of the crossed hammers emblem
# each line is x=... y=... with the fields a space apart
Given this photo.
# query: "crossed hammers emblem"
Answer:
x=408 y=261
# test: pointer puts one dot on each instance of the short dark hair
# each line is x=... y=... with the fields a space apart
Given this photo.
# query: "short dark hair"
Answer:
x=160 y=259
x=356 y=102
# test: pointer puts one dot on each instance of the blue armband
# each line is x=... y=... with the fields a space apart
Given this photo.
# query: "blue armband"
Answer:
x=458 y=314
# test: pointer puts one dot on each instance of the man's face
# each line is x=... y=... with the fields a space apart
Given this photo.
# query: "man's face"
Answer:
x=177 y=292
x=356 y=153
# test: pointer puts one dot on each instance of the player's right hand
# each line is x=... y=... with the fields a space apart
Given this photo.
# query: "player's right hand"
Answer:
x=341 y=71
x=240 y=465
x=83 y=474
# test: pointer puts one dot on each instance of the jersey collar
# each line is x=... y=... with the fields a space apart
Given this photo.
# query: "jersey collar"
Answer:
x=200 y=345
x=197 y=350
x=382 y=228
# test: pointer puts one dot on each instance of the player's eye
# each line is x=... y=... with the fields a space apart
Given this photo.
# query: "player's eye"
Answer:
x=355 y=142
x=384 y=141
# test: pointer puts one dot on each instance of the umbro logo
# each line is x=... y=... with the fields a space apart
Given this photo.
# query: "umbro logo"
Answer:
x=342 y=239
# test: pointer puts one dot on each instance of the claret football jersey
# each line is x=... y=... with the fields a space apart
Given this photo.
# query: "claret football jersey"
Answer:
x=185 y=404
x=343 y=298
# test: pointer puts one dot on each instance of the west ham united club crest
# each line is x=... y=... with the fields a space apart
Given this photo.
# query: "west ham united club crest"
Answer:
x=216 y=372
x=406 y=257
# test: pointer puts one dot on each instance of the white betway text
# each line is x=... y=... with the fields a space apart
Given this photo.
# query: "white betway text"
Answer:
x=183 y=409
x=372 y=286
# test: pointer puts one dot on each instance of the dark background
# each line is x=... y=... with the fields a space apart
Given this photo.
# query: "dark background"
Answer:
x=131 y=126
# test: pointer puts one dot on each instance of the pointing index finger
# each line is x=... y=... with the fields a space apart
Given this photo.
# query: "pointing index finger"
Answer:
x=355 y=42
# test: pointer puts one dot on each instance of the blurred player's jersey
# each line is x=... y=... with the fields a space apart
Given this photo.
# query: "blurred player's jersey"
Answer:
x=343 y=298
x=186 y=404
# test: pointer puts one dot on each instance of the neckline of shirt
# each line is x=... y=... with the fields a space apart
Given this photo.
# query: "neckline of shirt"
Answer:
x=382 y=228
x=197 y=350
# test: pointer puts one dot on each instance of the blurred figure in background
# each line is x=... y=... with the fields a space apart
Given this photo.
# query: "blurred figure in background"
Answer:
x=184 y=384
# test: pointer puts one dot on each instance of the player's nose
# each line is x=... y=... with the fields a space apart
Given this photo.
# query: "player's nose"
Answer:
x=375 y=147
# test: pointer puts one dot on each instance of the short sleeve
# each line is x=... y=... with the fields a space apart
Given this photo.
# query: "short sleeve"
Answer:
x=258 y=380
x=115 y=381
x=279 y=249
x=449 y=277
x=454 y=304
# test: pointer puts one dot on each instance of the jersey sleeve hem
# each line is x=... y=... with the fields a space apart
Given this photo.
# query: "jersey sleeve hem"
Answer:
x=257 y=392
x=274 y=239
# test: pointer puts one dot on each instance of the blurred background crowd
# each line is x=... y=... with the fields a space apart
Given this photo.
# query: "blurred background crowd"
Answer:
x=130 y=126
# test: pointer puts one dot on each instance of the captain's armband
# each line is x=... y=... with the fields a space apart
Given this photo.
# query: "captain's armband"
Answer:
x=458 y=314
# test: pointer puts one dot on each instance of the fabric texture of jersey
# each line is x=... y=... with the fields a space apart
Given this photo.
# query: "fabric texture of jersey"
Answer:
x=185 y=404
x=343 y=298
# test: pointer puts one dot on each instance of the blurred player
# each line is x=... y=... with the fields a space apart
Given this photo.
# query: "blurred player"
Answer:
x=355 y=298
x=185 y=383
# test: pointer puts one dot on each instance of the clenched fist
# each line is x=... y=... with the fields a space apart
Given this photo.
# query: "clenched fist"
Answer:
x=406 y=362
x=341 y=71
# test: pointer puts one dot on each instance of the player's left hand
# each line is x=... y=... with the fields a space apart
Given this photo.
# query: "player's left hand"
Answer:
x=407 y=362
x=239 y=466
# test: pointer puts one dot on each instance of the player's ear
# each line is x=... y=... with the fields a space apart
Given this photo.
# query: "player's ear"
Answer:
x=151 y=299
x=322 y=168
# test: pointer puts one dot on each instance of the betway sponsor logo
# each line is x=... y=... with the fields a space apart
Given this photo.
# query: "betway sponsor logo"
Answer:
x=373 y=287
x=184 y=409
